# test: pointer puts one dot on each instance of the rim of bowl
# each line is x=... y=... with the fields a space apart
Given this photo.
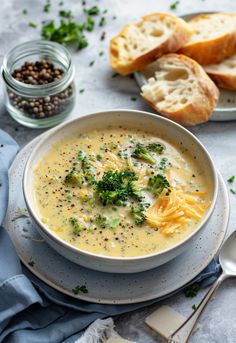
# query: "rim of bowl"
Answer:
x=67 y=245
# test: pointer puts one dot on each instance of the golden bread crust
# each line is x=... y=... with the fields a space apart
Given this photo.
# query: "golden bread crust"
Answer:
x=200 y=108
x=178 y=36
x=213 y=50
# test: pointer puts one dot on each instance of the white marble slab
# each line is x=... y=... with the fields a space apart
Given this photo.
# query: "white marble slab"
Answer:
x=217 y=324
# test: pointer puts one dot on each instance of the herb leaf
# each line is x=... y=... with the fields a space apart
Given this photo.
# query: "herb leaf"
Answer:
x=77 y=226
x=102 y=22
x=33 y=24
x=92 y=10
x=31 y=263
x=174 y=5
x=231 y=179
x=66 y=33
x=192 y=290
x=80 y=289
x=89 y=24
x=47 y=7
x=65 y=14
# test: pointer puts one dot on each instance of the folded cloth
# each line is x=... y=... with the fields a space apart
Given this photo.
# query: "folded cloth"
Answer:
x=30 y=310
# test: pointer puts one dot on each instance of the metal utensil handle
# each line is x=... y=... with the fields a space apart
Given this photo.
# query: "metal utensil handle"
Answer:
x=183 y=333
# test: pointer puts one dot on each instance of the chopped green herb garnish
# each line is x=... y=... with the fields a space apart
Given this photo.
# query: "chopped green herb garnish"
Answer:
x=66 y=33
x=99 y=157
x=194 y=307
x=112 y=146
x=114 y=17
x=80 y=289
x=231 y=179
x=133 y=98
x=33 y=24
x=61 y=3
x=164 y=164
x=101 y=53
x=81 y=90
x=114 y=223
x=101 y=221
x=174 y=5
x=192 y=290
x=75 y=177
x=102 y=22
x=91 y=63
x=31 y=263
x=47 y=7
x=92 y=10
x=88 y=200
x=232 y=191
x=105 y=11
x=24 y=11
x=65 y=14
x=76 y=225
x=89 y=24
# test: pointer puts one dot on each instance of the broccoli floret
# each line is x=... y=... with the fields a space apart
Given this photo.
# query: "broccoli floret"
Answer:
x=116 y=187
x=164 y=164
x=88 y=200
x=99 y=157
x=77 y=226
x=157 y=183
x=81 y=155
x=88 y=170
x=156 y=147
x=101 y=221
x=138 y=213
x=75 y=177
x=142 y=153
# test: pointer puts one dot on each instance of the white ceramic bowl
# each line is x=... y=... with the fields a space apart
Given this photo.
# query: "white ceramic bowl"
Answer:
x=128 y=119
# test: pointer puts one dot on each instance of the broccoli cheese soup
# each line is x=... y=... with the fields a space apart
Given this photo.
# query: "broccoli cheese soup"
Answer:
x=121 y=192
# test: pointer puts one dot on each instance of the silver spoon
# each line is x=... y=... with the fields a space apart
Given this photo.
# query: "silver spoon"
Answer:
x=227 y=259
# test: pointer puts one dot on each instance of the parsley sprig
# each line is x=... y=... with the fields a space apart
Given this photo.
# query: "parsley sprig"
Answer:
x=67 y=33
x=174 y=5
x=80 y=289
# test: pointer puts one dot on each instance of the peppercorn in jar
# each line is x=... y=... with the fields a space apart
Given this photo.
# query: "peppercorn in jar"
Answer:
x=40 y=91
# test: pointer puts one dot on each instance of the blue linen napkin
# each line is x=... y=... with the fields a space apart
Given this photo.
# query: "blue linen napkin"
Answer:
x=30 y=310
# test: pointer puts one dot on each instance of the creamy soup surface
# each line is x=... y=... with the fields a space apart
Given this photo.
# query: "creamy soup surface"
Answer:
x=120 y=192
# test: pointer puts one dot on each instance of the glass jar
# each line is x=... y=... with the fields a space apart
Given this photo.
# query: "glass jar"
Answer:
x=39 y=105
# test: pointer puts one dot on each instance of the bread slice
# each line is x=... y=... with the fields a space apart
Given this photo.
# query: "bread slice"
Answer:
x=140 y=43
x=223 y=73
x=181 y=90
x=214 y=38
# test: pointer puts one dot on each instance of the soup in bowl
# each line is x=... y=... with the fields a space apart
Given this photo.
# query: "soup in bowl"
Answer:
x=120 y=191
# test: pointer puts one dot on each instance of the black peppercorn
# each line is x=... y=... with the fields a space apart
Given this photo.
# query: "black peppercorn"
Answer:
x=40 y=73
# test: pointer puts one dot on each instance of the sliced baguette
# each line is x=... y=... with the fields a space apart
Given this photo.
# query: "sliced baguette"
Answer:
x=214 y=38
x=181 y=90
x=140 y=43
x=223 y=73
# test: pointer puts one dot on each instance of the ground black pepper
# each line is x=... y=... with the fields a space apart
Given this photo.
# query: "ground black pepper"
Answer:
x=40 y=73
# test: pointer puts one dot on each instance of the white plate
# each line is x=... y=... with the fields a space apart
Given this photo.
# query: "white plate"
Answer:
x=226 y=107
x=106 y=288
